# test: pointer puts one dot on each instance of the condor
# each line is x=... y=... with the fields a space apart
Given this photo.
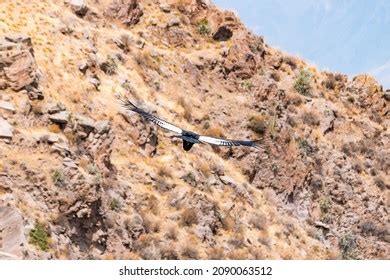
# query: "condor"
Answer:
x=189 y=138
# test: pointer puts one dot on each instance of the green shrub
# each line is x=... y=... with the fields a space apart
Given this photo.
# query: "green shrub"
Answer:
x=39 y=237
x=94 y=170
x=246 y=85
x=325 y=207
x=58 y=178
x=347 y=245
x=203 y=27
x=115 y=204
x=302 y=82
x=306 y=148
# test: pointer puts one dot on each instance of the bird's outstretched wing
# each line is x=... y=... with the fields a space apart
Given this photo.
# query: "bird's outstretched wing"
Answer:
x=226 y=142
x=128 y=105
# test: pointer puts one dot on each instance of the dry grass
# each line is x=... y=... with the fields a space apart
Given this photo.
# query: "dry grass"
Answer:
x=259 y=221
x=169 y=253
x=186 y=107
x=145 y=60
x=204 y=168
x=189 y=252
x=215 y=131
x=329 y=82
x=310 y=118
x=188 y=217
x=258 y=124
x=37 y=108
x=294 y=99
x=216 y=253
x=181 y=5
x=153 y=205
x=164 y=171
x=54 y=128
x=151 y=224
x=289 y=60
x=171 y=233
x=275 y=76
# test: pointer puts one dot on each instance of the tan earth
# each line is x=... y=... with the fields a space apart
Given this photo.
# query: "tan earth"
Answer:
x=80 y=178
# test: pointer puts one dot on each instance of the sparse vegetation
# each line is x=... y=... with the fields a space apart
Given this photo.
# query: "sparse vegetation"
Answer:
x=368 y=228
x=187 y=109
x=39 y=237
x=58 y=178
x=275 y=76
x=302 y=82
x=54 y=128
x=144 y=59
x=330 y=82
x=37 y=108
x=169 y=253
x=203 y=27
x=109 y=66
x=215 y=131
x=289 y=60
x=246 y=85
x=164 y=171
x=310 y=118
x=171 y=233
x=204 y=168
x=259 y=221
x=380 y=183
x=189 y=252
x=95 y=171
x=305 y=147
x=190 y=178
x=325 y=207
x=347 y=245
x=115 y=204
x=189 y=217
x=258 y=124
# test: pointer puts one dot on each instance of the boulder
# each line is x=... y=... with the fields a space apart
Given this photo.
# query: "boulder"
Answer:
x=54 y=108
x=166 y=8
x=5 y=129
x=79 y=7
x=173 y=22
x=18 y=68
x=12 y=239
x=60 y=118
x=227 y=180
x=7 y=106
x=102 y=127
x=128 y=11
x=386 y=96
x=85 y=122
x=223 y=33
x=21 y=71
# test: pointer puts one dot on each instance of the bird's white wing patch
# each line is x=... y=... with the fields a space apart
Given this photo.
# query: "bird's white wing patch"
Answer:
x=226 y=142
x=166 y=125
x=215 y=141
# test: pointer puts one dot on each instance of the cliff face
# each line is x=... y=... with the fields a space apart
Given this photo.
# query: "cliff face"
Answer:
x=81 y=178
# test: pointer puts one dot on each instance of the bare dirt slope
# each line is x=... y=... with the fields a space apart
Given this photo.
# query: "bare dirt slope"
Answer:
x=80 y=178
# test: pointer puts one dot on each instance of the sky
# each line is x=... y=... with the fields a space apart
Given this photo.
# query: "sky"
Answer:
x=346 y=36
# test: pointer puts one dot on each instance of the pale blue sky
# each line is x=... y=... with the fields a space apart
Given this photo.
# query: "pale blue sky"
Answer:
x=348 y=36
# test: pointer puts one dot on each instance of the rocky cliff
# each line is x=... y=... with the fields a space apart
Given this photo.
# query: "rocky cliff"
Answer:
x=81 y=178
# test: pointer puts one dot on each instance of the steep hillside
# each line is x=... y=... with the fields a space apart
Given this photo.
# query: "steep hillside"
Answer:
x=81 y=178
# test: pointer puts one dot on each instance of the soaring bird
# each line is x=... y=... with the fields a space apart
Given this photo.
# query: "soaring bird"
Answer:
x=189 y=138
